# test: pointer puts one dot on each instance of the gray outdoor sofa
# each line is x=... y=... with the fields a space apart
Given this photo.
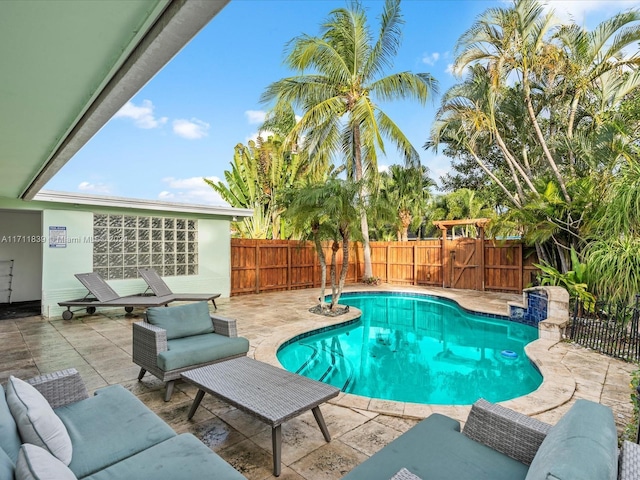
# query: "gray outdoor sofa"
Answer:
x=500 y=444
x=113 y=436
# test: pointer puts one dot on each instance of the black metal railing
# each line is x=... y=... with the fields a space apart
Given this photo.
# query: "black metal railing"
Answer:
x=609 y=328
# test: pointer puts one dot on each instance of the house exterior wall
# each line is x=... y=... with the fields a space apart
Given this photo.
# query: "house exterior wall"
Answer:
x=56 y=278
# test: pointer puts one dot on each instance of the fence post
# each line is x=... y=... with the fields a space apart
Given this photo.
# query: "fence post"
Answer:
x=415 y=263
x=257 y=267
x=289 y=265
x=386 y=270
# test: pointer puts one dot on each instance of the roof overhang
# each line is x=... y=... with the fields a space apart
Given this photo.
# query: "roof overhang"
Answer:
x=68 y=66
x=139 y=204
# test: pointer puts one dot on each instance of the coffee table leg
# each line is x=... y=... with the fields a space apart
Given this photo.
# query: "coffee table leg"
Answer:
x=276 y=442
x=320 y=419
x=196 y=404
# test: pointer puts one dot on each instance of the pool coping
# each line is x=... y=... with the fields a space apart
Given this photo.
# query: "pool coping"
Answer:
x=557 y=388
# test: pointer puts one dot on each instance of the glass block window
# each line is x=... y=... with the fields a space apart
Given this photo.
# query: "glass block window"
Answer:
x=123 y=243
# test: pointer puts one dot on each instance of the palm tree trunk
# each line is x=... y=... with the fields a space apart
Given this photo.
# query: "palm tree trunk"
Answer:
x=345 y=265
x=334 y=267
x=364 y=222
x=495 y=179
x=323 y=269
x=514 y=162
x=543 y=143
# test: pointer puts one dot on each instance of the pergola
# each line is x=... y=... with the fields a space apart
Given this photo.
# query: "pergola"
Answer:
x=448 y=252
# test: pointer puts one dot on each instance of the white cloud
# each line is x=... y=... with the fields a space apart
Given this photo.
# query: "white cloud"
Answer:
x=191 y=190
x=383 y=168
x=94 y=187
x=142 y=116
x=439 y=165
x=430 y=58
x=265 y=134
x=578 y=10
x=193 y=129
x=256 y=117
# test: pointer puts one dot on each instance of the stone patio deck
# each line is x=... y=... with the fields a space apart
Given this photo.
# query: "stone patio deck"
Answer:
x=99 y=346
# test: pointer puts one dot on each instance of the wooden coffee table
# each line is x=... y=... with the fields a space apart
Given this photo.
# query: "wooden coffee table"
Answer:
x=271 y=394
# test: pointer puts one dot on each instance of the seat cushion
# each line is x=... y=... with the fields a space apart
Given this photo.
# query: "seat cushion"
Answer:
x=9 y=437
x=7 y=466
x=190 y=351
x=183 y=320
x=179 y=457
x=35 y=463
x=435 y=449
x=37 y=422
x=583 y=444
x=109 y=427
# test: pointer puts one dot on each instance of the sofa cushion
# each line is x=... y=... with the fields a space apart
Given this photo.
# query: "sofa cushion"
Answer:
x=583 y=444
x=183 y=320
x=36 y=420
x=35 y=463
x=183 y=456
x=190 y=351
x=7 y=466
x=435 y=449
x=9 y=436
x=109 y=427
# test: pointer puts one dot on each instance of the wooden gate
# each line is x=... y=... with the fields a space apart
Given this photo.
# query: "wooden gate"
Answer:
x=463 y=258
x=464 y=264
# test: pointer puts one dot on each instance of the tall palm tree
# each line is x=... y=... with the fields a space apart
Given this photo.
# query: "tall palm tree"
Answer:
x=339 y=73
x=512 y=41
x=407 y=189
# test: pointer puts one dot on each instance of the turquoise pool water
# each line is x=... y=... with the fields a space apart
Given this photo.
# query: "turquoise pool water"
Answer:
x=417 y=348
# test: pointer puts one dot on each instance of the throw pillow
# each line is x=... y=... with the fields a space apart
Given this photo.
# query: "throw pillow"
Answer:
x=182 y=321
x=35 y=463
x=582 y=445
x=37 y=422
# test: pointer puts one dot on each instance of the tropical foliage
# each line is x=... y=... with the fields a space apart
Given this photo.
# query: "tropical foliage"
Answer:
x=546 y=118
x=407 y=191
x=339 y=74
x=543 y=129
x=260 y=173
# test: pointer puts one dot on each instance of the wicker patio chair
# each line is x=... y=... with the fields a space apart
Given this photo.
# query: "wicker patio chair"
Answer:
x=150 y=343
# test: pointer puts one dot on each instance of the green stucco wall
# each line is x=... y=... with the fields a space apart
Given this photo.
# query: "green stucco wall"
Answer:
x=60 y=264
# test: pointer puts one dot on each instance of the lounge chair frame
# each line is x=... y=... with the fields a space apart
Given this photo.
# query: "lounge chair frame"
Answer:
x=161 y=289
x=100 y=294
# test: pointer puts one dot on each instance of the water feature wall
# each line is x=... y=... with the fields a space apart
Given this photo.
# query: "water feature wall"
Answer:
x=544 y=307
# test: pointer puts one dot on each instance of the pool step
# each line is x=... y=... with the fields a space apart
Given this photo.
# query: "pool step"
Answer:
x=328 y=365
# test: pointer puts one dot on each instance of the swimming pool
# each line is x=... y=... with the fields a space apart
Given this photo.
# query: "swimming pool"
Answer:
x=417 y=348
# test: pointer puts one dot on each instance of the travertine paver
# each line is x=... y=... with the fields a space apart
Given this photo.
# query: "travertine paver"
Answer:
x=99 y=346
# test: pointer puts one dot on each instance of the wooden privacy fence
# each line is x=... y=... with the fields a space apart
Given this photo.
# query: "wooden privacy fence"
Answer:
x=269 y=265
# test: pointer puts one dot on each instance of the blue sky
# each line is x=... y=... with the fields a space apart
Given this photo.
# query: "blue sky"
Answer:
x=182 y=126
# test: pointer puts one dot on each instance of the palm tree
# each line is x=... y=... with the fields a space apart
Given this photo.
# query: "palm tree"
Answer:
x=512 y=41
x=459 y=205
x=408 y=191
x=593 y=55
x=339 y=73
x=326 y=211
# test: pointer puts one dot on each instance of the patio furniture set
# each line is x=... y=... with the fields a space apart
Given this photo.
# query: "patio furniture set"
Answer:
x=50 y=425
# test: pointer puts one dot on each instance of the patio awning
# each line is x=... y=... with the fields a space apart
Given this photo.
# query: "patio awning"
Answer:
x=68 y=66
